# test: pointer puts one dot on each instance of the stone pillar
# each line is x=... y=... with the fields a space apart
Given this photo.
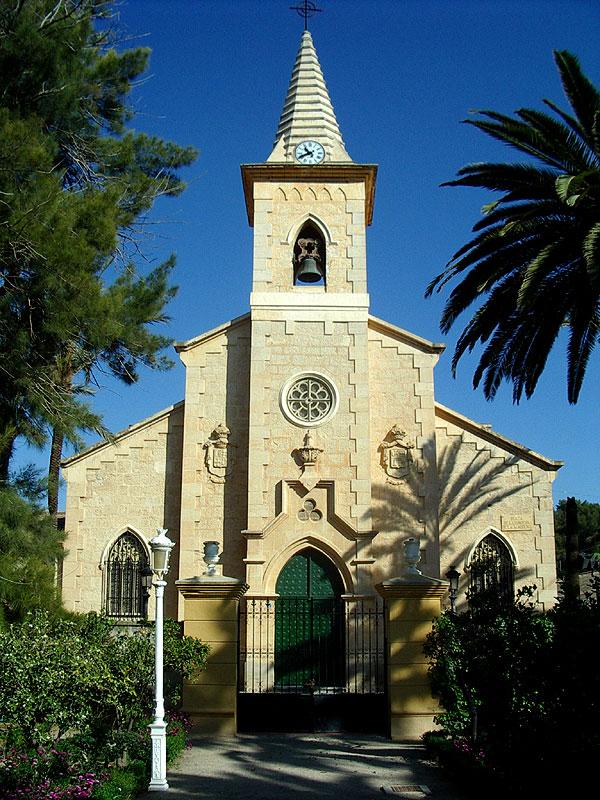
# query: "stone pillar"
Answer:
x=411 y=605
x=210 y=613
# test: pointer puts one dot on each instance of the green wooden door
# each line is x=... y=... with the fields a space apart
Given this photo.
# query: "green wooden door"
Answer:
x=309 y=624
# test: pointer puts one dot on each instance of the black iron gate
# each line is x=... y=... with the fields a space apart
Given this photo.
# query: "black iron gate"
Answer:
x=310 y=664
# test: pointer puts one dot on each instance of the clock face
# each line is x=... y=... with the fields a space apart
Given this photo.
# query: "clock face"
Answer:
x=309 y=153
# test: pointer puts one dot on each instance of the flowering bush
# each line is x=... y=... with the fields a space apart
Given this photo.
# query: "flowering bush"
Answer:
x=77 y=698
x=178 y=729
x=72 y=773
x=44 y=775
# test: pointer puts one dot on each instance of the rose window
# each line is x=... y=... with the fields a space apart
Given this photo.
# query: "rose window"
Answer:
x=309 y=399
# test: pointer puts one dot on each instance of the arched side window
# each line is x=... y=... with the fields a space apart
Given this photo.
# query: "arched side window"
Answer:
x=492 y=568
x=126 y=596
x=309 y=255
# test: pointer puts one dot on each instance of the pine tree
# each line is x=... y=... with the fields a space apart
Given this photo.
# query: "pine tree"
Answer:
x=75 y=182
x=30 y=549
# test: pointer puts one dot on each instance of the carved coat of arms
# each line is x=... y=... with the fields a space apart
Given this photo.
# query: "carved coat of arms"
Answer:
x=220 y=454
x=396 y=456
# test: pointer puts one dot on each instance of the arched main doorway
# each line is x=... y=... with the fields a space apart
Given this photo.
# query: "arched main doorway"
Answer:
x=312 y=658
x=309 y=624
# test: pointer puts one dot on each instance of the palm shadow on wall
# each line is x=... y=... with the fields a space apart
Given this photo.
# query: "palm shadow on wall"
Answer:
x=464 y=489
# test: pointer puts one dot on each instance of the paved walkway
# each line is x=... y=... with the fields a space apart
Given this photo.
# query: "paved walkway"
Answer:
x=278 y=767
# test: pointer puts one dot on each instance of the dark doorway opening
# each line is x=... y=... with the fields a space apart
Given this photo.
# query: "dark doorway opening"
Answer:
x=312 y=659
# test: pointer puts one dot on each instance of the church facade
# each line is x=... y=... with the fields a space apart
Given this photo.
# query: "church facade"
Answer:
x=309 y=433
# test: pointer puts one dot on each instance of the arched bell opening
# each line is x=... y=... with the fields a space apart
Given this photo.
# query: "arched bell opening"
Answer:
x=309 y=259
x=309 y=624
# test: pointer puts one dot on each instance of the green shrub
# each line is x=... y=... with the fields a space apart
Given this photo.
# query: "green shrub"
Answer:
x=520 y=688
x=77 y=675
x=123 y=783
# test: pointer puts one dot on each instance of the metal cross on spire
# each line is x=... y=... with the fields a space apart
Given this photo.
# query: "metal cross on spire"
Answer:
x=306 y=10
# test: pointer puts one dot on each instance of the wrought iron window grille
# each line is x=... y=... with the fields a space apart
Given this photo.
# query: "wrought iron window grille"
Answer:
x=126 y=596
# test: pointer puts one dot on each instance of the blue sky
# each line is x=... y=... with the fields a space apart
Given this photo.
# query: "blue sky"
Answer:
x=402 y=74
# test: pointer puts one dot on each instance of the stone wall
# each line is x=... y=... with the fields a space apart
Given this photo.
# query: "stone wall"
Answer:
x=405 y=499
x=214 y=500
x=486 y=487
x=130 y=484
x=299 y=329
x=280 y=211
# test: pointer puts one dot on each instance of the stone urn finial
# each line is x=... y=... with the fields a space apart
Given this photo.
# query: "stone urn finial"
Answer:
x=308 y=453
x=211 y=557
x=412 y=556
x=307 y=457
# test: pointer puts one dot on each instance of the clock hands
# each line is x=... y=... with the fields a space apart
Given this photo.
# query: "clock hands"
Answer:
x=309 y=152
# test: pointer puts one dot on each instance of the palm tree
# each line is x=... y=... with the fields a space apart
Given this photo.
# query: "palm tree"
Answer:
x=534 y=264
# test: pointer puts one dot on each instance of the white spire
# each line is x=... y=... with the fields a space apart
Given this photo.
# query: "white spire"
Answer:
x=307 y=111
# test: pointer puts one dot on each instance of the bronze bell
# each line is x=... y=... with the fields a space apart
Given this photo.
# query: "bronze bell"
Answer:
x=309 y=271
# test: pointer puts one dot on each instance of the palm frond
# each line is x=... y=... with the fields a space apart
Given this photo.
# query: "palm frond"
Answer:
x=544 y=210
x=483 y=277
x=591 y=255
x=518 y=351
x=532 y=266
x=596 y=133
x=571 y=121
x=485 y=320
x=522 y=181
x=582 y=95
x=563 y=142
x=518 y=135
x=510 y=245
x=582 y=340
x=556 y=258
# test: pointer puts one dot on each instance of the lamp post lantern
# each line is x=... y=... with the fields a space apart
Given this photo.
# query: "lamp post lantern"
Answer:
x=453 y=575
x=161 y=547
x=147 y=575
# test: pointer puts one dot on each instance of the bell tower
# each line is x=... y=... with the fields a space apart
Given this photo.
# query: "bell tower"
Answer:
x=309 y=205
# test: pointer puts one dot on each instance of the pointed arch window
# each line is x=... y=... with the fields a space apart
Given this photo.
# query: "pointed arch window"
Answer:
x=126 y=566
x=492 y=568
x=309 y=256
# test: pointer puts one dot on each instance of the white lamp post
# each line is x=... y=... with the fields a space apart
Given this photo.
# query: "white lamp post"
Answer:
x=161 y=547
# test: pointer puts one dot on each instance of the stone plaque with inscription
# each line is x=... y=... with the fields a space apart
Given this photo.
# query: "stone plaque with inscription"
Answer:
x=517 y=522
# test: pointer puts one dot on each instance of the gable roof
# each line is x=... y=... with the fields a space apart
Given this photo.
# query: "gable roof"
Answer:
x=407 y=337
x=212 y=333
x=123 y=434
x=485 y=432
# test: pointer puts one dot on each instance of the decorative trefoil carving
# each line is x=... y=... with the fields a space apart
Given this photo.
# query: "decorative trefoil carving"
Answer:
x=309 y=511
x=220 y=454
x=396 y=455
